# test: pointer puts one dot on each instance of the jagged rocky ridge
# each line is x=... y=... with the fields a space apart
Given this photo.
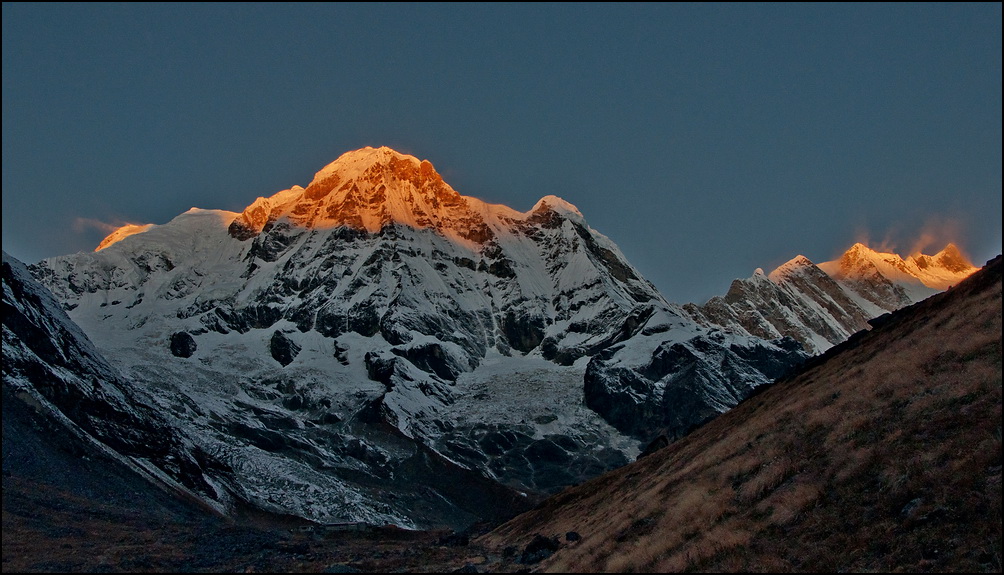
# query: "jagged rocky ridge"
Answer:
x=336 y=344
x=822 y=305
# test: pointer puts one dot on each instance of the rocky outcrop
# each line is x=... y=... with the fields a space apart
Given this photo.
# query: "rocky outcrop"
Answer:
x=183 y=344
x=648 y=385
x=543 y=464
x=283 y=349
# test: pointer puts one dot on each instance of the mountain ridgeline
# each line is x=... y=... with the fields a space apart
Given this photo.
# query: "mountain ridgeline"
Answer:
x=376 y=347
x=822 y=305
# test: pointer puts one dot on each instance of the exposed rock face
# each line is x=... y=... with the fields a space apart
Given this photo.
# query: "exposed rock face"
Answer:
x=183 y=344
x=544 y=464
x=648 y=384
x=347 y=328
x=798 y=300
x=283 y=349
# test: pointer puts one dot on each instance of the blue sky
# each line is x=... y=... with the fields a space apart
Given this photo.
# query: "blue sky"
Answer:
x=705 y=140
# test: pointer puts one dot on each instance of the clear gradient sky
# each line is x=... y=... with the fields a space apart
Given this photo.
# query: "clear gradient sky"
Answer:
x=705 y=140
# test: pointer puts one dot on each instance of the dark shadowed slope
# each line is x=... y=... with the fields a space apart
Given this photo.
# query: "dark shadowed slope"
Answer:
x=68 y=506
x=884 y=454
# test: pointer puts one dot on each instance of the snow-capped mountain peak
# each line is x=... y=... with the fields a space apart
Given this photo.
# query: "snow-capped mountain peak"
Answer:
x=862 y=261
x=371 y=188
x=951 y=258
x=329 y=336
x=936 y=272
x=556 y=204
x=942 y=270
x=792 y=266
x=822 y=305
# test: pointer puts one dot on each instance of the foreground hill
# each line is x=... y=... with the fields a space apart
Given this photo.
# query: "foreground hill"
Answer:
x=883 y=454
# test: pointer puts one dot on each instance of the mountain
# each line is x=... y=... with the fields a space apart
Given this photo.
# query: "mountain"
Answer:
x=889 y=281
x=377 y=347
x=894 y=469
x=883 y=454
x=822 y=305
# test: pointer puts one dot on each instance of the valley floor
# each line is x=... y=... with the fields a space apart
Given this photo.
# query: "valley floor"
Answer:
x=49 y=530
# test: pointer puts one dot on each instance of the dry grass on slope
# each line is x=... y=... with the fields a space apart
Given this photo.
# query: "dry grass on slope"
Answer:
x=883 y=456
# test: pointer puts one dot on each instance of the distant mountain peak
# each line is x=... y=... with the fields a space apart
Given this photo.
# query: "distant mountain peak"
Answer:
x=371 y=188
x=944 y=269
x=860 y=251
x=792 y=267
x=952 y=259
x=821 y=305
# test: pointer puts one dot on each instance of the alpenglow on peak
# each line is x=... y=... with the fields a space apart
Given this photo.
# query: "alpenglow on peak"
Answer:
x=370 y=188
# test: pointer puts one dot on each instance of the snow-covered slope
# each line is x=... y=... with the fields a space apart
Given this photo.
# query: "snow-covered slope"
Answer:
x=376 y=328
x=54 y=369
x=822 y=305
